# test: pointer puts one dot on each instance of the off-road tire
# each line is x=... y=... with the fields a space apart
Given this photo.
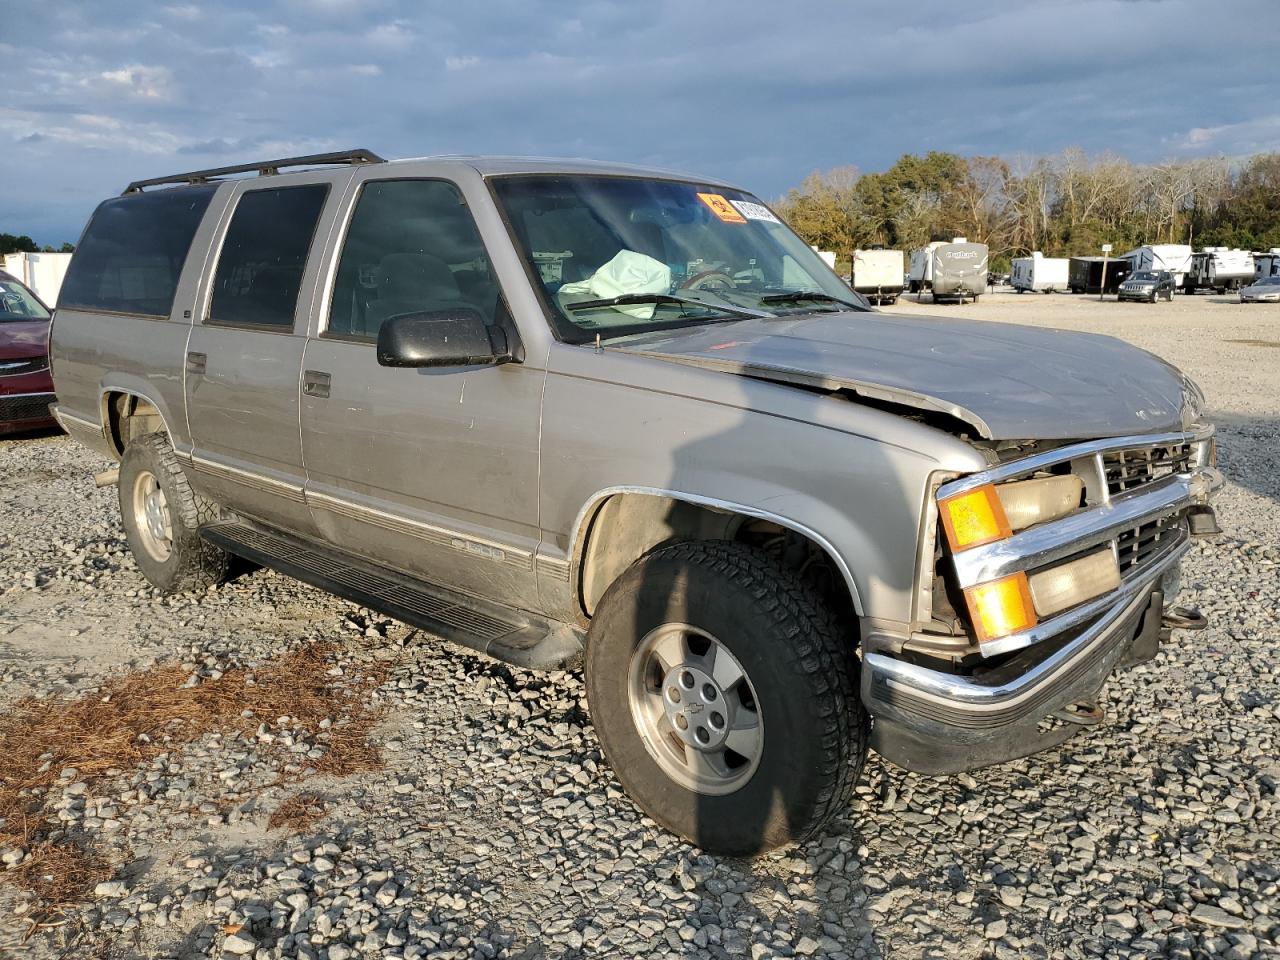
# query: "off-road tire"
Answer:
x=800 y=661
x=193 y=563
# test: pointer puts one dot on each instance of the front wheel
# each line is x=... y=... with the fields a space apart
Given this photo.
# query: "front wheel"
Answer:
x=725 y=697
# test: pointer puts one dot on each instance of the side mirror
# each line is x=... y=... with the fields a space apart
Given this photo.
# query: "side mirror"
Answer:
x=455 y=337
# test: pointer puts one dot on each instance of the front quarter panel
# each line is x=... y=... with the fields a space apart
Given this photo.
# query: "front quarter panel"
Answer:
x=855 y=476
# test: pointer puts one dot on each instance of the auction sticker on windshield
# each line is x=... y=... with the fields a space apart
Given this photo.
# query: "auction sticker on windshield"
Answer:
x=722 y=208
x=755 y=211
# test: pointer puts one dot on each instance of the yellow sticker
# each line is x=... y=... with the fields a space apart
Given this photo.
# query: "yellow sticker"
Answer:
x=722 y=208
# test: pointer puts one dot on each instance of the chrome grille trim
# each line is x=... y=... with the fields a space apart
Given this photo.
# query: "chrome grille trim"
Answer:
x=1076 y=451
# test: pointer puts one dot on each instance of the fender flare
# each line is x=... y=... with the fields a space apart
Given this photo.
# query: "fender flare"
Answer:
x=588 y=511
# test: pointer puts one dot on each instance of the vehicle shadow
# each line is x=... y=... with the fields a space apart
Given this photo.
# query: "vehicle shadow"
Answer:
x=816 y=887
x=37 y=433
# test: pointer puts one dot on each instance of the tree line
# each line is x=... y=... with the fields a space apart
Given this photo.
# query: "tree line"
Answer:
x=1068 y=204
x=14 y=243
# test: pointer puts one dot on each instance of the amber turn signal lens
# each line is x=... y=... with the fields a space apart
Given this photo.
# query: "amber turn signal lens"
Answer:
x=1001 y=607
x=974 y=518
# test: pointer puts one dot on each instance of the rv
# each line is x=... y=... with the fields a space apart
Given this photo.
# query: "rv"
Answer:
x=954 y=270
x=1266 y=264
x=1097 y=274
x=877 y=274
x=1038 y=272
x=1173 y=257
x=1219 y=269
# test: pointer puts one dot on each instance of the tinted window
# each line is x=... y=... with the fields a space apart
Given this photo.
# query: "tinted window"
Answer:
x=132 y=253
x=264 y=254
x=412 y=246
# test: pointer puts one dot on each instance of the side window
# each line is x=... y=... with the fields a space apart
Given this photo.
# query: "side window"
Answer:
x=132 y=252
x=412 y=246
x=264 y=254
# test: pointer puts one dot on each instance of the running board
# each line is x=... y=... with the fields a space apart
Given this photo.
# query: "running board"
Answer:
x=501 y=632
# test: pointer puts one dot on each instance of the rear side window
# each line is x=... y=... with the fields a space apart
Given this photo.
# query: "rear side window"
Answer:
x=264 y=254
x=132 y=252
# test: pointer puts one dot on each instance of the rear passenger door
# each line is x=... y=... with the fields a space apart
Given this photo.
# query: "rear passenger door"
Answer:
x=245 y=352
x=433 y=471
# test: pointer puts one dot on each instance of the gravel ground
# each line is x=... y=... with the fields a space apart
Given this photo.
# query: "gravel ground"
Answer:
x=494 y=829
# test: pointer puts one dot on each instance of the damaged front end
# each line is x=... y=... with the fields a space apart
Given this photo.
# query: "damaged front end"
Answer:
x=1049 y=572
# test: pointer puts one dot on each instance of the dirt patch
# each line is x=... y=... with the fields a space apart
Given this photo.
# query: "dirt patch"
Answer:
x=136 y=717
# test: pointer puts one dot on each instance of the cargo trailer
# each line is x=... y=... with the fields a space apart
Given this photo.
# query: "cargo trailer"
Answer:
x=877 y=274
x=1086 y=274
x=1219 y=269
x=1039 y=273
x=1172 y=257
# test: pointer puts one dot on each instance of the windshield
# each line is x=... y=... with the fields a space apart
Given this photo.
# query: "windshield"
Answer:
x=19 y=303
x=1268 y=282
x=618 y=255
x=1145 y=276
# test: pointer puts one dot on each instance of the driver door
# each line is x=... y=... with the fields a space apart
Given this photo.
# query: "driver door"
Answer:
x=432 y=471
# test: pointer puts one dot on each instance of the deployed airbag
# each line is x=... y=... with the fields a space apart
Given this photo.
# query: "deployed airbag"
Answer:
x=627 y=272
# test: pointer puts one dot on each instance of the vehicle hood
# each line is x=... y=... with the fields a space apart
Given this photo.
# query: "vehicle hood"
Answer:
x=1008 y=382
x=23 y=338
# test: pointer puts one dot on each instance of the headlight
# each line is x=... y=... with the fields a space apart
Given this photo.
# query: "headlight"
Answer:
x=1028 y=502
x=992 y=513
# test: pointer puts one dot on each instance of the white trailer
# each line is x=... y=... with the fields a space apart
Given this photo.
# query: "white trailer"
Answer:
x=1038 y=272
x=1173 y=257
x=953 y=270
x=1219 y=269
x=920 y=272
x=42 y=272
x=877 y=274
x=1266 y=264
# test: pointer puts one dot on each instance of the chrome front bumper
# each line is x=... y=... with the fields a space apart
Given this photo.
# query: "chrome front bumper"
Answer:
x=935 y=721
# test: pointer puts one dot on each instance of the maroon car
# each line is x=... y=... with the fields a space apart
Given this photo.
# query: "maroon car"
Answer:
x=26 y=387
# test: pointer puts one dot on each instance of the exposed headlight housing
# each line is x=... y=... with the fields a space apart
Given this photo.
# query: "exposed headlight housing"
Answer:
x=1028 y=502
x=990 y=513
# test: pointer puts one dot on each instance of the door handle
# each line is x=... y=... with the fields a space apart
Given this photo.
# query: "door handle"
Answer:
x=315 y=383
x=197 y=362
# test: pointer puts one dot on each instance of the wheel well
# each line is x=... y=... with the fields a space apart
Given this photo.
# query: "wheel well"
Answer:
x=625 y=526
x=128 y=416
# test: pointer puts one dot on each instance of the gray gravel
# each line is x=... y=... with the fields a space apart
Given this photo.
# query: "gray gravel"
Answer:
x=496 y=830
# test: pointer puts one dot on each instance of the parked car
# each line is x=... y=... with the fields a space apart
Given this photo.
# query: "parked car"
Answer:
x=1150 y=285
x=26 y=387
x=561 y=411
x=1265 y=290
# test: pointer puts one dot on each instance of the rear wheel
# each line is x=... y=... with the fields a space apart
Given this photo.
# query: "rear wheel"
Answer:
x=161 y=516
x=725 y=697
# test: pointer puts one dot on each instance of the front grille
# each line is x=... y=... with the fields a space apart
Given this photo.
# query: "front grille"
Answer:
x=1134 y=547
x=1129 y=469
x=31 y=407
x=13 y=368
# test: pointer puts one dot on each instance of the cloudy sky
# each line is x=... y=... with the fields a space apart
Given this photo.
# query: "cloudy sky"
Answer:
x=99 y=93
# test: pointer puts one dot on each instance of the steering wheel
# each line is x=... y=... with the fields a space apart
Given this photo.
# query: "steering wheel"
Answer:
x=708 y=280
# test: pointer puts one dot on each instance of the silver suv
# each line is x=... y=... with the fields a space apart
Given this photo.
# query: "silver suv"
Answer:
x=559 y=411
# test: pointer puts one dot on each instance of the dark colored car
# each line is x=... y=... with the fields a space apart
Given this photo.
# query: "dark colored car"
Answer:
x=26 y=387
x=1150 y=285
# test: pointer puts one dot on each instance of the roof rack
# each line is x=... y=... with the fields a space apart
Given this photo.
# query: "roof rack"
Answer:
x=264 y=168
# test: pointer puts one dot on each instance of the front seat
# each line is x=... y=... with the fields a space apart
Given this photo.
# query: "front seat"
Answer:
x=411 y=283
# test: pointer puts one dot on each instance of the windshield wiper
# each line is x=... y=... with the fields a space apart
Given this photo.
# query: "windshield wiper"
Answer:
x=628 y=299
x=793 y=296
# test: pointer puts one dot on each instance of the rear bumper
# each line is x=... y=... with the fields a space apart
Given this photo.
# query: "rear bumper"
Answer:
x=933 y=722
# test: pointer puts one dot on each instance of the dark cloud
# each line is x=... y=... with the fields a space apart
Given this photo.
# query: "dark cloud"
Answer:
x=759 y=93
